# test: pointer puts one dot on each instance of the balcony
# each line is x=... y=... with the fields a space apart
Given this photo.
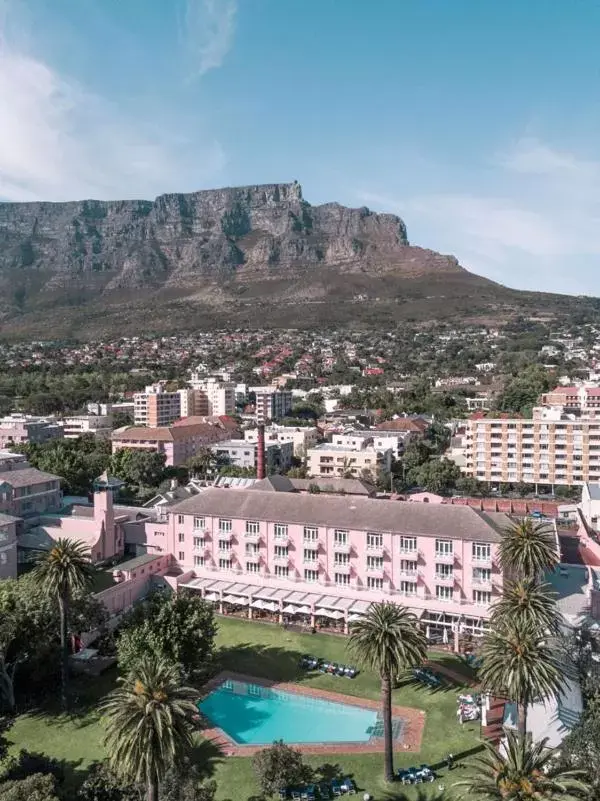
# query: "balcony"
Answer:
x=486 y=583
x=342 y=547
x=252 y=536
x=482 y=560
x=253 y=557
x=448 y=558
x=342 y=568
x=227 y=536
x=442 y=578
x=375 y=550
x=281 y=559
x=409 y=574
x=373 y=570
x=225 y=551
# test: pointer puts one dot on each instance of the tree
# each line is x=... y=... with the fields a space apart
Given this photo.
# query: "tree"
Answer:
x=202 y=463
x=149 y=726
x=37 y=787
x=63 y=571
x=278 y=767
x=521 y=665
x=103 y=784
x=181 y=628
x=141 y=470
x=437 y=475
x=186 y=785
x=523 y=771
x=528 y=549
x=388 y=641
x=581 y=747
x=528 y=603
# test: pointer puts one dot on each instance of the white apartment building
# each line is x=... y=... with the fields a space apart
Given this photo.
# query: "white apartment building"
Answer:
x=219 y=395
x=272 y=404
x=380 y=440
x=240 y=452
x=338 y=460
x=302 y=439
x=98 y=425
x=157 y=408
x=553 y=448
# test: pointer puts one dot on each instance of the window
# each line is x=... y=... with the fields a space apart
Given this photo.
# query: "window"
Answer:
x=224 y=526
x=408 y=587
x=374 y=541
x=224 y=545
x=407 y=566
x=251 y=549
x=252 y=527
x=181 y=537
x=443 y=548
x=159 y=533
x=310 y=555
x=340 y=537
x=408 y=544
x=482 y=597
x=198 y=561
x=198 y=543
x=311 y=575
x=374 y=583
x=252 y=567
x=374 y=562
x=444 y=571
x=281 y=571
x=180 y=519
x=482 y=575
x=482 y=552
x=181 y=556
x=341 y=559
x=281 y=552
x=199 y=522
x=310 y=534
x=341 y=579
x=280 y=531
x=443 y=593
x=225 y=564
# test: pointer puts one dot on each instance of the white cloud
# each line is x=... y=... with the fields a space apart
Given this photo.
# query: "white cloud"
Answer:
x=59 y=141
x=209 y=30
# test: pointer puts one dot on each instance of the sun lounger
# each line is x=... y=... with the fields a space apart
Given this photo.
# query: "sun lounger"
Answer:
x=283 y=794
x=348 y=786
x=323 y=790
x=336 y=787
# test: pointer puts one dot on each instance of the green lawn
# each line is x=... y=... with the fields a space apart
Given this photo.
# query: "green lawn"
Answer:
x=270 y=652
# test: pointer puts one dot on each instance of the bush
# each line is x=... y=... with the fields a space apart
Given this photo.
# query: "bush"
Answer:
x=278 y=767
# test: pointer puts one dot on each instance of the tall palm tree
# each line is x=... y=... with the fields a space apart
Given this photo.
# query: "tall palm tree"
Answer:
x=528 y=549
x=522 y=772
x=528 y=602
x=521 y=665
x=148 y=722
x=388 y=641
x=62 y=571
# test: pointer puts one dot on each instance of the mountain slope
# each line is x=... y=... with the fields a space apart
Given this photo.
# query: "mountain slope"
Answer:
x=258 y=255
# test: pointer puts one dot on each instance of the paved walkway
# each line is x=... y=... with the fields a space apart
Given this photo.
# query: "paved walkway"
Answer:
x=455 y=676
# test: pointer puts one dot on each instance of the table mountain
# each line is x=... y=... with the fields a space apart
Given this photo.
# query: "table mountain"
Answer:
x=255 y=255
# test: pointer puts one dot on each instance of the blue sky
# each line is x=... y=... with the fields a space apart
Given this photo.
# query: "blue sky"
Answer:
x=475 y=120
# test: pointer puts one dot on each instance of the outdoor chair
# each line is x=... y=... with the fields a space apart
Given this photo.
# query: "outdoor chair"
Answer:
x=348 y=786
x=323 y=790
x=336 y=787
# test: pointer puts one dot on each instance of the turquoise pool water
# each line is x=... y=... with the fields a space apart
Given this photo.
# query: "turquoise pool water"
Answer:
x=254 y=715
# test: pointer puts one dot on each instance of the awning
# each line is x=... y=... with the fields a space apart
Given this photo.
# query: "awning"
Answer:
x=271 y=606
x=258 y=604
x=353 y=617
x=360 y=607
x=304 y=610
x=212 y=596
x=236 y=599
x=291 y=609
x=334 y=614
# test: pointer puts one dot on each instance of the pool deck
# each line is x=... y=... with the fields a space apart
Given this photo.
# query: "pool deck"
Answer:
x=412 y=733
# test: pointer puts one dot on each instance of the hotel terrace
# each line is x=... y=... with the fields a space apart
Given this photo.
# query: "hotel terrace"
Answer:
x=333 y=556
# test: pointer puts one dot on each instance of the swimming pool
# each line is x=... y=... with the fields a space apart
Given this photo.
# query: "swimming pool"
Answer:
x=252 y=714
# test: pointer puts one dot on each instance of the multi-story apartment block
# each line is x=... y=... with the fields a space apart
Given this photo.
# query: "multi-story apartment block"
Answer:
x=339 y=460
x=24 y=490
x=242 y=453
x=22 y=428
x=8 y=546
x=553 y=448
x=156 y=407
x=301 y=438
x=178 y=442
x=218 y=395
x=579 y=398
x=272 y=404
x=97 y=425
x=324 y=552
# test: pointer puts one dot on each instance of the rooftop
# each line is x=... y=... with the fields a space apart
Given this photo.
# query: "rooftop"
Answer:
x=429 y=520
x=25 y=477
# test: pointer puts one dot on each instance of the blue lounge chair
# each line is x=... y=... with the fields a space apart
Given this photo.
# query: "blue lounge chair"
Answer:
x=348 y=786
x=283 y=794
x=336 y=787
x=296 y=794
x=309 y=792
x=323 y=790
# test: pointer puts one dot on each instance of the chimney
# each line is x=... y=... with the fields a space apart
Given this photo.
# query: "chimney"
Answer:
x=260 y=453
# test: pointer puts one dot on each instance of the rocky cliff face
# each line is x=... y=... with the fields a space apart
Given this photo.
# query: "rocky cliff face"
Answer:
x=222 y=247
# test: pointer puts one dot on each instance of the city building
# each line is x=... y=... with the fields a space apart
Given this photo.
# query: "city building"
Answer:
x=8 y=546
x=302 y=438
x=179 y=442
x=217 y=395
x=272 y=404
x=321 y=552
x=156 y=407
x=18 y=429
x=242 y=453
x=553 y=448
x=24 y=490
x=340 y=461
x=573 y=398
x=380 y=440
x=97 y=425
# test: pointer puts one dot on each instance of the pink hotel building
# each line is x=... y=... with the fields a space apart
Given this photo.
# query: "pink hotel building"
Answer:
x=331 y=556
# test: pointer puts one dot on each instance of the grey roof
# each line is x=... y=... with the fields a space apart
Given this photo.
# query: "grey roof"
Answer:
x=594 y=491
x=424 y=519
x=351 y=486
x=26 y=477
x=137 y=561
x=275 y=483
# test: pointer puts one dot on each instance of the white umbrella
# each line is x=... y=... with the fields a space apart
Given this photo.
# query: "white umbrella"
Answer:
x=236 y=599
x=258 y=604
x=445 y=636
x=270 y=606
x=354 y=617
x=291 y=609
x=304 y=610
x=211 y=596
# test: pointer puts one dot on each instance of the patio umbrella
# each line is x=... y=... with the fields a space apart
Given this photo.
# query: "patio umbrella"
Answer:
x=291 y=609
x=236 y=599
x=352 y=618
x=304 y=610
x=445 y=636
x=258 y=604
x=270 y=606
x=211 y=596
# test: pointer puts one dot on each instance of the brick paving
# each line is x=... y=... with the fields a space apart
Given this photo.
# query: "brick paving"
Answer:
x=412 y=732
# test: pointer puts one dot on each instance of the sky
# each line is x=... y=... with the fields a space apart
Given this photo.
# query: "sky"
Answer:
x=476 y=121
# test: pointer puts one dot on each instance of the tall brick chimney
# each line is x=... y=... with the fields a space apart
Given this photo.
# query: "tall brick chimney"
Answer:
x=260 y=453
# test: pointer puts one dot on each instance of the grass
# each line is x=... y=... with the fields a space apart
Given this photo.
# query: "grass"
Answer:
x=270 y=652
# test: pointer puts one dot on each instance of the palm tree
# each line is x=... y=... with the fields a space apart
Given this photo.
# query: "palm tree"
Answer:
x=149 y=727
x=528 y=549
x=528 y=602
x=62 y=571
x=521 y=665
x=388 y=641
x=522 y=772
